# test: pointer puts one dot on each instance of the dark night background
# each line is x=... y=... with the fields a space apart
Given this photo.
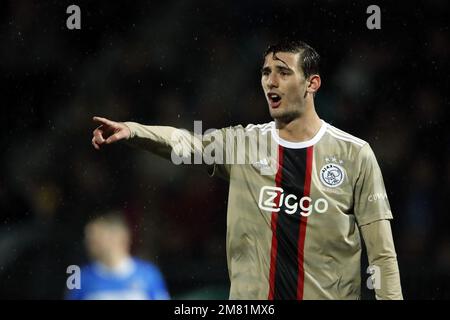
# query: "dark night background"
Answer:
x=174 y=62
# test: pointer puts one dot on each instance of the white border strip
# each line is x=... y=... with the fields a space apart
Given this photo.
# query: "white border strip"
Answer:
x=334 y=134
x=299 y=145
x=346 y=134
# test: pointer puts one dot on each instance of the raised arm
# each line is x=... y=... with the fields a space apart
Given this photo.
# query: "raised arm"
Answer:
x=165 y=141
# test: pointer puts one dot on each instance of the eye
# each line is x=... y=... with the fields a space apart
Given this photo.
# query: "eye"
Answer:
x=284 y=73
x=265 y=73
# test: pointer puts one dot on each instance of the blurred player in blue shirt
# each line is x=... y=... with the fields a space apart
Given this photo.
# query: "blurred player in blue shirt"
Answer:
x=114 y=274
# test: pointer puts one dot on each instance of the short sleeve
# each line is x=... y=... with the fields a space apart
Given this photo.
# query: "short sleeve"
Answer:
x=370 y=198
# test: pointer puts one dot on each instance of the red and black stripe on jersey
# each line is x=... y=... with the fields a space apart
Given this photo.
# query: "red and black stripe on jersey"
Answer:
x=287 y=253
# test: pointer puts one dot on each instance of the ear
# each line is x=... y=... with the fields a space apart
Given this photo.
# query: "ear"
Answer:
x=314 y=83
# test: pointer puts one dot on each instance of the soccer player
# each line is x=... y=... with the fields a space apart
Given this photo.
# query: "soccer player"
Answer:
x=114 y=274
x=295 y=233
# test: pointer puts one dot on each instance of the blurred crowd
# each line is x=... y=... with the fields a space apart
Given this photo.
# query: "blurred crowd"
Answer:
x=175 y=62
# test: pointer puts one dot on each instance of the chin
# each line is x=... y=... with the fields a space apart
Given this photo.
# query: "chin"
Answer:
x=283 y=115
x=276 y=113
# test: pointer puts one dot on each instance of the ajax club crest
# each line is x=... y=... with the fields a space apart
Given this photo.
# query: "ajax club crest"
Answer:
x=332 y=175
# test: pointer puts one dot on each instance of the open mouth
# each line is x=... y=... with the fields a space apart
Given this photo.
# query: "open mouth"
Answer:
x=274 y=99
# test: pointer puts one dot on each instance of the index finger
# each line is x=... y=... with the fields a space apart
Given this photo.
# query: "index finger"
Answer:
x=103 y=121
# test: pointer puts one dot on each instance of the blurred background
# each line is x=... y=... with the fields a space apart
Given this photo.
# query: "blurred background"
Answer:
x=174 y=62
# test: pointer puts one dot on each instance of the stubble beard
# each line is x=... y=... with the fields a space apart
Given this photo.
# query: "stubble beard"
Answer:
x=286 y=116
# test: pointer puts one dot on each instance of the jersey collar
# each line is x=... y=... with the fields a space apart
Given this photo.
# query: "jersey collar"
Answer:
x=302 y=144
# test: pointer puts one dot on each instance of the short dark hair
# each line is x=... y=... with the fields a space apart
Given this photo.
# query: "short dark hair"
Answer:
x=309 y=58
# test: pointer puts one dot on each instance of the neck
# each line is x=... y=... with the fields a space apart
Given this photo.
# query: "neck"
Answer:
x=301 y=128
x=114 y=259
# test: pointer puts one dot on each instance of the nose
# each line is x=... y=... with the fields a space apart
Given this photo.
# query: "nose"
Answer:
x=272 y=81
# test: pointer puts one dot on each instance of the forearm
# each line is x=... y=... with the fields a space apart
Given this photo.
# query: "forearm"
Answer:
x=165 y=141
x=382 y=255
